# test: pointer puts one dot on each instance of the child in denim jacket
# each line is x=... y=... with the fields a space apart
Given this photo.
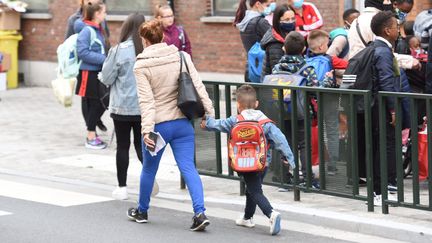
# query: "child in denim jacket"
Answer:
x=246 y=104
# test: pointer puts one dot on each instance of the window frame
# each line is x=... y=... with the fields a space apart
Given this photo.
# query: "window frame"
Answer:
x=128 y=12
x=220 y=13
x=38 y=10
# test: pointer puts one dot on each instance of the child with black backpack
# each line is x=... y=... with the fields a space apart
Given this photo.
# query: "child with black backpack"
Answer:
x=252 y=134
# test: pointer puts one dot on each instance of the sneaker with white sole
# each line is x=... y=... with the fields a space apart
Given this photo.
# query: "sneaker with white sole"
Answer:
x=120 y=193
x=245 y=222
x=199 y=222
x=378 y=200
x=275 y=223
x=95 y=143
x=135 y=215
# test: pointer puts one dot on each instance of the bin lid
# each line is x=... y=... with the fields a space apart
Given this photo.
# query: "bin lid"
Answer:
x=8 y=32
x=10 y=35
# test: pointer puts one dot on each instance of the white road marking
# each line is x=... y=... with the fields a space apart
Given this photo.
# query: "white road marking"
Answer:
x=47 y=195
x=3 y=213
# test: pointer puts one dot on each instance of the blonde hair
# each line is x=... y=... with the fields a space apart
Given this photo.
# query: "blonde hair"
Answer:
x=152 y=31
x=246 y=96
x=316 y=38
x=159 y=8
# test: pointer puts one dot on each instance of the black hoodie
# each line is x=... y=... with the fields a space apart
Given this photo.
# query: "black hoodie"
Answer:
x=378 y=4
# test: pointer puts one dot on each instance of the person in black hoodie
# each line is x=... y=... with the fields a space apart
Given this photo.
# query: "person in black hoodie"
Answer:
x=251 y=23
x=274 y=38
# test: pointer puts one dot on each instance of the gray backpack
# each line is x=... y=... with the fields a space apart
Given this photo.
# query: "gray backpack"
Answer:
x=423 y=27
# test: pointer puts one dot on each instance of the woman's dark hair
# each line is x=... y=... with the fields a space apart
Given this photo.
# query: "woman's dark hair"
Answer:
x=241 y=10
x=411 y=2
x=278 y=13
x=349 y=12
x=131 y=27
x=91 y=8
x=380 y=21
x=152 y=31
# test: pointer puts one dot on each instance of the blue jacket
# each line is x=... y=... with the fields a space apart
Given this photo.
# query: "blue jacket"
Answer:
x=387 y=73
x=92 y=56
x=274 y=136
x=78 y=16
x=117 y=71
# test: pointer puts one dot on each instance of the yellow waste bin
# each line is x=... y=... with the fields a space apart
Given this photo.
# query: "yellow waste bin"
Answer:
x=9 y=44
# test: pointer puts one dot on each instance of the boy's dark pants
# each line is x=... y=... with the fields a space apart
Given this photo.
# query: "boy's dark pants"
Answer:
x=254 y=194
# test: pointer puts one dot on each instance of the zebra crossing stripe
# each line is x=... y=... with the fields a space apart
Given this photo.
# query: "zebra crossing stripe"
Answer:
x=3 y=213
x=47 y=195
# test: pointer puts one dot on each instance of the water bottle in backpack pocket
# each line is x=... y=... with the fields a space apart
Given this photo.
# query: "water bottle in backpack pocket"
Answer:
x=322 y=65
x=255 y=61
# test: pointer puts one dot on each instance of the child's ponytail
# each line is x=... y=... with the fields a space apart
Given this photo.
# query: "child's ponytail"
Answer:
x=241 y=11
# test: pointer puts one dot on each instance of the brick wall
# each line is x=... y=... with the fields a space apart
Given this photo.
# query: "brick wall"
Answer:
x=216 y=47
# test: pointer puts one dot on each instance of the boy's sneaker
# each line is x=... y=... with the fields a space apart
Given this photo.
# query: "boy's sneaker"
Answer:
x=120 y=193
x=95 y=143
x=245 y=222
x=199 y=222
x=137 y=216
x=275 y=219
x=392 y=188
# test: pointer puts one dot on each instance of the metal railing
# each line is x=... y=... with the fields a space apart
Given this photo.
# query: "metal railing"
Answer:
x=211 y=155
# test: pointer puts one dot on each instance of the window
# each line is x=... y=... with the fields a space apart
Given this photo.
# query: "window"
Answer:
x=225 y=7
x=128 y=6
x=37 y=6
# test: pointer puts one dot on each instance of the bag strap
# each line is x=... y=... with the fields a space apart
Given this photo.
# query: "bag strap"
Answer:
x=183 y=59
x=264 y=121
x=240 y=117
x=359 y=33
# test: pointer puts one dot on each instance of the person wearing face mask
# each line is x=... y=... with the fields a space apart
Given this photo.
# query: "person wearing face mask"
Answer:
x=360 y=33
x=273 y=40
x=268 y=12
x=339 y=37
x=252 y=24
x=401 y=9
x=307 y=15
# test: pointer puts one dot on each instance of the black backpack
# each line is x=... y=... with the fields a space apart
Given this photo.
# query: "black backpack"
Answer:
x=362 y=68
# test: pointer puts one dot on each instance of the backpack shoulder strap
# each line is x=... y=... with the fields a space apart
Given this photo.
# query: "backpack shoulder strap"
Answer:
x=240 y=117
x=360 y=34
x=264 y=121
x=94 y=39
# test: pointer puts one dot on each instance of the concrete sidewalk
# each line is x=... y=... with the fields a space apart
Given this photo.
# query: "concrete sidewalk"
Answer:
x=40 y=138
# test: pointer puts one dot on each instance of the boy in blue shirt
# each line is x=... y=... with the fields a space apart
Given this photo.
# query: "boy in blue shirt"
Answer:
x=246 y=105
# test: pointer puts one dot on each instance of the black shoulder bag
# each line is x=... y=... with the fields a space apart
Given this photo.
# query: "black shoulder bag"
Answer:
x=188 y=100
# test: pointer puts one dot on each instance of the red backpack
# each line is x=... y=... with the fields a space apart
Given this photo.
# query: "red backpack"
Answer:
x=247 y=148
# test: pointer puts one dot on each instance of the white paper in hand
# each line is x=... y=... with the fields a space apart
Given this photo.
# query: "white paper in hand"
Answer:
x=160 y=144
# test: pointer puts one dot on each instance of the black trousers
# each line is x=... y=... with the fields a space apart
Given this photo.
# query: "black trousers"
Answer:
x=254 y=194
x=300 y=141
x=376 y=161
x=92 y=111
x=123 y=131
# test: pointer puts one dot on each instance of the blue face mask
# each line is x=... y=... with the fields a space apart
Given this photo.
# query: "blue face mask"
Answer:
x=298 y=3
x=401 y=16
x=270 y=9
x=287 y=27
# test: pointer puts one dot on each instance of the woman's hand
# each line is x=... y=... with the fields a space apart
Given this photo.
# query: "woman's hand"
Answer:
x=148 y=142
x=203 y=123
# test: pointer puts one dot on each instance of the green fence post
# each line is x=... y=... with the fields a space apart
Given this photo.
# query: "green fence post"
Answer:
x=383 y=152
x=369 y=152
x=353 y=144
x=398 y=144
x=294 y=145
x=414 y=154
x=307 y=131
x=228 y=114
x=429 y=139
x=321 y=140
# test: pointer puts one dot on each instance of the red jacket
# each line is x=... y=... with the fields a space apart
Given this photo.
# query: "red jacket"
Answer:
x=310 y=20
x=339 y=63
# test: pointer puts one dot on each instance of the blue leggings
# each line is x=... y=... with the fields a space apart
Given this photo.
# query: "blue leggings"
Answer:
x=180 y=135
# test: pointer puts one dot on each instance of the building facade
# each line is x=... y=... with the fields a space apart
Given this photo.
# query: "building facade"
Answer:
x=216 y=45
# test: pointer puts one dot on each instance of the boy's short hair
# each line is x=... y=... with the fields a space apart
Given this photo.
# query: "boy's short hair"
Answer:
x=381 y=21
x=349 y=12
x=246 y=96
x=316 y=38
x=294 y=43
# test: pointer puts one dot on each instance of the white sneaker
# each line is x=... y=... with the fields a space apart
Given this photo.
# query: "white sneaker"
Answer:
x=275 y=219
x=245 y=222
x=120 y=193
x=377 y=200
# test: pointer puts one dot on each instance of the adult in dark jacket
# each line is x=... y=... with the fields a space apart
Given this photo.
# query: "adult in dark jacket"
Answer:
x=251 y=23
x=274 y=38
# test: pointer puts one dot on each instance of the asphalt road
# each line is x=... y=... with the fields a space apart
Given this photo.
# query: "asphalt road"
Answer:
x=34 y=211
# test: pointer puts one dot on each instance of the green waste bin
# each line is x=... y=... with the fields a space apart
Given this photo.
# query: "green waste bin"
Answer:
x=9 y=44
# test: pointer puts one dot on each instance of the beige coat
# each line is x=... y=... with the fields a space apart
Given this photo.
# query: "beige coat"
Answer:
x=356 y=45
x=157 y=71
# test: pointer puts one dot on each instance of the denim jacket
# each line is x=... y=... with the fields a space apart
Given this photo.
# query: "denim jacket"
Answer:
x=117 y=72
x=274 y=136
